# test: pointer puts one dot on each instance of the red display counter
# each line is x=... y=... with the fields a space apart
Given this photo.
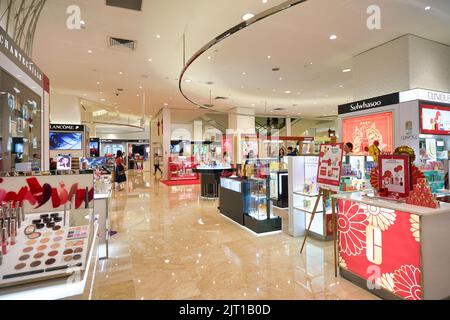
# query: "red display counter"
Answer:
x=182 y=168
x=394 y=250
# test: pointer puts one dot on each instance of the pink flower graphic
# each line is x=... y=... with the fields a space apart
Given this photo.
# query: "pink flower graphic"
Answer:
x=407 y=283
x=352 y=224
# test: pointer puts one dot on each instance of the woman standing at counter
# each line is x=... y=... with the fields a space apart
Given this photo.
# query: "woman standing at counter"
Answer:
x=120 y=175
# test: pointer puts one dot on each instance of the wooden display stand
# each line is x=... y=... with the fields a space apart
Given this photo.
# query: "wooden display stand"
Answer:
x=325 y=194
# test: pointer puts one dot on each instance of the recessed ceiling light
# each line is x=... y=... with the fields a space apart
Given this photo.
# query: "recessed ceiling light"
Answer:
x=264 y=1
x=281 y=78
x=269 y=57
x=341 y=86
x=209 y=57
x=247 y=16
x=346 y=70
x=427 y=8
x=137 y=95
x=90 y=51
x=288 y=92
x=299 y=113
x=140 y=87
x=188 y=80
x=158 y=36
x=333 y=37
x=166 y=104
x=103 y=99
x=149 y=60
x=101 y=92
x=244 y=73
x=98 y=83
x=121 y=73
x=310 y=63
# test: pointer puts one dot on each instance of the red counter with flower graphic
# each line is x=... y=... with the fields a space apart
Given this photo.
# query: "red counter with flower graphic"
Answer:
x=394 y=250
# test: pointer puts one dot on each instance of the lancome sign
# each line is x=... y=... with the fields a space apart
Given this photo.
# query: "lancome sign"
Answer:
x=9 y=48
x=67 y=127
x=370 y=103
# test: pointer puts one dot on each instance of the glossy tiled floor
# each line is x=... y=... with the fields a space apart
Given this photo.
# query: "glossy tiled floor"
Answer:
x=172 y=245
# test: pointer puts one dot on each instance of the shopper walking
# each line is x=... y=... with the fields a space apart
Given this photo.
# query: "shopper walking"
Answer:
x=156 y=164
x=120 y=174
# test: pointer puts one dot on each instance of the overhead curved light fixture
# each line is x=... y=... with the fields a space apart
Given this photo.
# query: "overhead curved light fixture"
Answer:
x=263 y=15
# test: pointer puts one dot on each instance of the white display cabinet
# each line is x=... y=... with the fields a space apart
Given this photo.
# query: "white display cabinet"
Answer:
x=303 y=193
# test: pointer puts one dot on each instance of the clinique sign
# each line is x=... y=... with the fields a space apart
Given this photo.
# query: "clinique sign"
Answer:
x=13 y=52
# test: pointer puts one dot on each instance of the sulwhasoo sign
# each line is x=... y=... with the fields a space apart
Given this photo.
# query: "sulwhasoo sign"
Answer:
x=15 y=54
x=377 y=102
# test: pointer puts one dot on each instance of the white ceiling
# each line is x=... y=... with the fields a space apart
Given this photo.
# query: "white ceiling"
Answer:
x=293 y=38
x=63 y=53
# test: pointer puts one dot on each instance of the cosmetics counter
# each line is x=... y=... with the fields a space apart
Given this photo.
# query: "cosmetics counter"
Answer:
x=356 y=173
x=303 y=194
x=210 y=179
x=406 y=245
x=247 y=202
x=49 y=238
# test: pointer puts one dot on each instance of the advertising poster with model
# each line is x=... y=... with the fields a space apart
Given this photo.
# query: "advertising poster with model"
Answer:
x=363 y=131
x=435 y=119
x=64 y=162
x=394 y=174
x=330 y=165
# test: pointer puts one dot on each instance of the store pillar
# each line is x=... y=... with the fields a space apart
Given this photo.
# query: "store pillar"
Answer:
x=240 y=121
x=166 y=124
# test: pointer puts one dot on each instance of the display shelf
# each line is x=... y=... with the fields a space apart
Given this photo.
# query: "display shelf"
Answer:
x=299 y=193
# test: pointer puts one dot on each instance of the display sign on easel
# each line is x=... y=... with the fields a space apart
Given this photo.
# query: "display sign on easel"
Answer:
x=328 y=179
x=330 y=166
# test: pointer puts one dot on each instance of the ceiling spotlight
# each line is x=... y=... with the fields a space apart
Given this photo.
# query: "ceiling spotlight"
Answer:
x=121 y=73
x=149 y=60
x=166 y=104
x=140 y=87
x=427 y=8
x=310 y=63
x=82 y=22
x=90 y=51
x=244 y=73
x=288 y=92
x=247 y=16
x=341 y=86
x=299 y=113
x=253 y=104
x=101 y=92
x=281 y=78
x=188 y=80
x=98 y=83
x=264 y=1
x=346 y=70
x=137 y=95
x=158 y=36
x=269 y=57
x=333 y=37
x=103 y=99
x=209 y=57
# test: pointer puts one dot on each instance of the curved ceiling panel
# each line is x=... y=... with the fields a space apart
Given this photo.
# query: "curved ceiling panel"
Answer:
x=289 y=63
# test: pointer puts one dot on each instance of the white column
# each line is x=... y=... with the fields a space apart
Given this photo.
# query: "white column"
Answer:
x=240 y=120
x=166 y=134
x=288 y=127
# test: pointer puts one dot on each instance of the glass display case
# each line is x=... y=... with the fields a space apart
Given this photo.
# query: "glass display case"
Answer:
x=181 y=168
x=434 y=162
x=279 y=183
x=260 y=206
x=356 y=173
x=304 y=194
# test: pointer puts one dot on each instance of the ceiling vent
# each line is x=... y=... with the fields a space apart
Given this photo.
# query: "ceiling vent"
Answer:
x=126 y=4
x=124 y=43
x=220 y=98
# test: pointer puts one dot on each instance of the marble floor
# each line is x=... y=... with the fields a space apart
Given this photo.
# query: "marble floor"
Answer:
x=173 y=245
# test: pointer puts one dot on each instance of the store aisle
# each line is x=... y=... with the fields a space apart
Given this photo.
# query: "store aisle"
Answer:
x=172 y=245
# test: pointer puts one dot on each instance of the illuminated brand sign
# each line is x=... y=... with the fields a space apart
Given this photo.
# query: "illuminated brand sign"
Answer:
x=427 y=95
x=67 y=127
x=15 y=54
x=372 y=103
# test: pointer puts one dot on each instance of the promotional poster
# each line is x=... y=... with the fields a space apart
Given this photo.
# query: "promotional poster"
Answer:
x=394 y=174
x=434 y=119
x=365 y=130
x=330 y=165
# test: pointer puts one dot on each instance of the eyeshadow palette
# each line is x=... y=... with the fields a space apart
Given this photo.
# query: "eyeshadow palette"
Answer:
x=44 y=251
